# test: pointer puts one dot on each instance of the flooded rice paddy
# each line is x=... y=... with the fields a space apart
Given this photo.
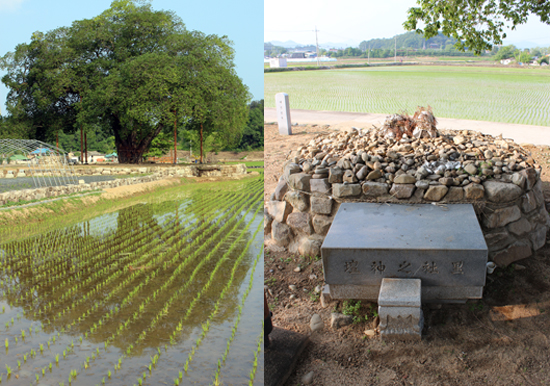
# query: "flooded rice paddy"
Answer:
x=156 y=293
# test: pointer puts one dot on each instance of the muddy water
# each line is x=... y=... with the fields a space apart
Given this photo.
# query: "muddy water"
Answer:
x=132 y=288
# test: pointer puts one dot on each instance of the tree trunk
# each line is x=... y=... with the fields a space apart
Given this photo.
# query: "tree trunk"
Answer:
x=175 y=140
x=128 y=153
x=86 y=147
x=130 y=150
x=81 y=146
x=201 y=143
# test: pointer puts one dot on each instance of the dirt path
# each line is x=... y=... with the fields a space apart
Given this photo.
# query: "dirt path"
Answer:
x=503 y=339
x=538 y=135
x=128 y=190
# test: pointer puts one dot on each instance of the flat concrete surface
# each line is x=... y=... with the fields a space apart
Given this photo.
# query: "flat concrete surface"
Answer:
x=399 y=293
x=538 y=135
x=365 y=225
x=282 y=354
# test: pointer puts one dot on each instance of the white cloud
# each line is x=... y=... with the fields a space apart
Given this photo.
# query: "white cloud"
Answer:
x=10 y=5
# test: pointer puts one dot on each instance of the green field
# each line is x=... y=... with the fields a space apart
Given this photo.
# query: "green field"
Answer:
x=511 y=95
x=164 y=290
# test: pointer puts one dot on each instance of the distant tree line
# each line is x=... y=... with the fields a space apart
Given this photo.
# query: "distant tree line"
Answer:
x=409 y=40
x=523 y=56
x=415 y=44
x=253 y=134
x=274 y=51
x=408 y=44
x=387 y=53
x=99 y=140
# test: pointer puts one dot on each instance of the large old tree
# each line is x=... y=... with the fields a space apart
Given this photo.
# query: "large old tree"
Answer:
x=476 y=24
x=131 y=70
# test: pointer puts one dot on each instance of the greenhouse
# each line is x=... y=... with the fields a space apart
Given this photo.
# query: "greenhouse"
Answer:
x=45 y=164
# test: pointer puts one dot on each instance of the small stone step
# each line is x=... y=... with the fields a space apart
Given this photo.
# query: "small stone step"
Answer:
x=399 y=308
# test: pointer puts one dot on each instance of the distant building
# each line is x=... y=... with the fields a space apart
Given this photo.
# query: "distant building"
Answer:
x=297 y=55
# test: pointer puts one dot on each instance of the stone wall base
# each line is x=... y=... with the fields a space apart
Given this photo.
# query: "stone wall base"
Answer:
x=511 y=211
x=159 y=173
x=435 y=294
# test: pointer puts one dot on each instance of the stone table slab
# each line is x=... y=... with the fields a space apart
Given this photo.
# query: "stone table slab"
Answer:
x=442 y=246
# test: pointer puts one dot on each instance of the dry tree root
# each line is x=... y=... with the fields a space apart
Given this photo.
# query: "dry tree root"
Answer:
x=422 y=124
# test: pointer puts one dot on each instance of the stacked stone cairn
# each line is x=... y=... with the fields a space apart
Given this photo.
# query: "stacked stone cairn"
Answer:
x=408 y=161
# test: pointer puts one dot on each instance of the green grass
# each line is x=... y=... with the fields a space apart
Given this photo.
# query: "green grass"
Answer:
x=510 y=95
x=48 y=199
x=247 y=163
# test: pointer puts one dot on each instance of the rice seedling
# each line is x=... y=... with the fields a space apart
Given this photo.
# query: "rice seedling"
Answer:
x=105 y=287
x=469 y=92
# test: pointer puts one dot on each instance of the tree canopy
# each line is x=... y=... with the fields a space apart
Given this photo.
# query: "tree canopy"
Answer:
x=477 y=25
x=132 y=71
x=253 y=134
x=505 y=52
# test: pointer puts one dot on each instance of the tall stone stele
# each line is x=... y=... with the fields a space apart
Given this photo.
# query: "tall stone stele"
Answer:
x=283 y=113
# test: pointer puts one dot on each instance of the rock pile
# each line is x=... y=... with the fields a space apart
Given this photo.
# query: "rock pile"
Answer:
x=408 y=160
x=450 y=159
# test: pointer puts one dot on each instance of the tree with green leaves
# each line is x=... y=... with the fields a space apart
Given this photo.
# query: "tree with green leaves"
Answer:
x=220 y=108
x=39 y=96
x=477 y=25
x=505 y=52
x=160 y=145
x=523 y=56
x=253 y=134
x=131 y=70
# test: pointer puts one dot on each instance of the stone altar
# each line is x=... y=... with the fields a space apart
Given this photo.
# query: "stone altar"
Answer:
x=443 y=246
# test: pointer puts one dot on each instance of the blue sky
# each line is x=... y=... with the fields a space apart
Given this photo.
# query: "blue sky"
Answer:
x=349 y=22
x=240 y=20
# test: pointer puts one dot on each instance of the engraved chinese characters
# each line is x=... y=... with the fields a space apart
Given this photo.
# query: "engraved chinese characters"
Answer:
x=352 y=267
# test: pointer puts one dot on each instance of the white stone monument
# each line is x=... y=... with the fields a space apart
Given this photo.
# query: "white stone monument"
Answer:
x=283 y=113
x=277 y=63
